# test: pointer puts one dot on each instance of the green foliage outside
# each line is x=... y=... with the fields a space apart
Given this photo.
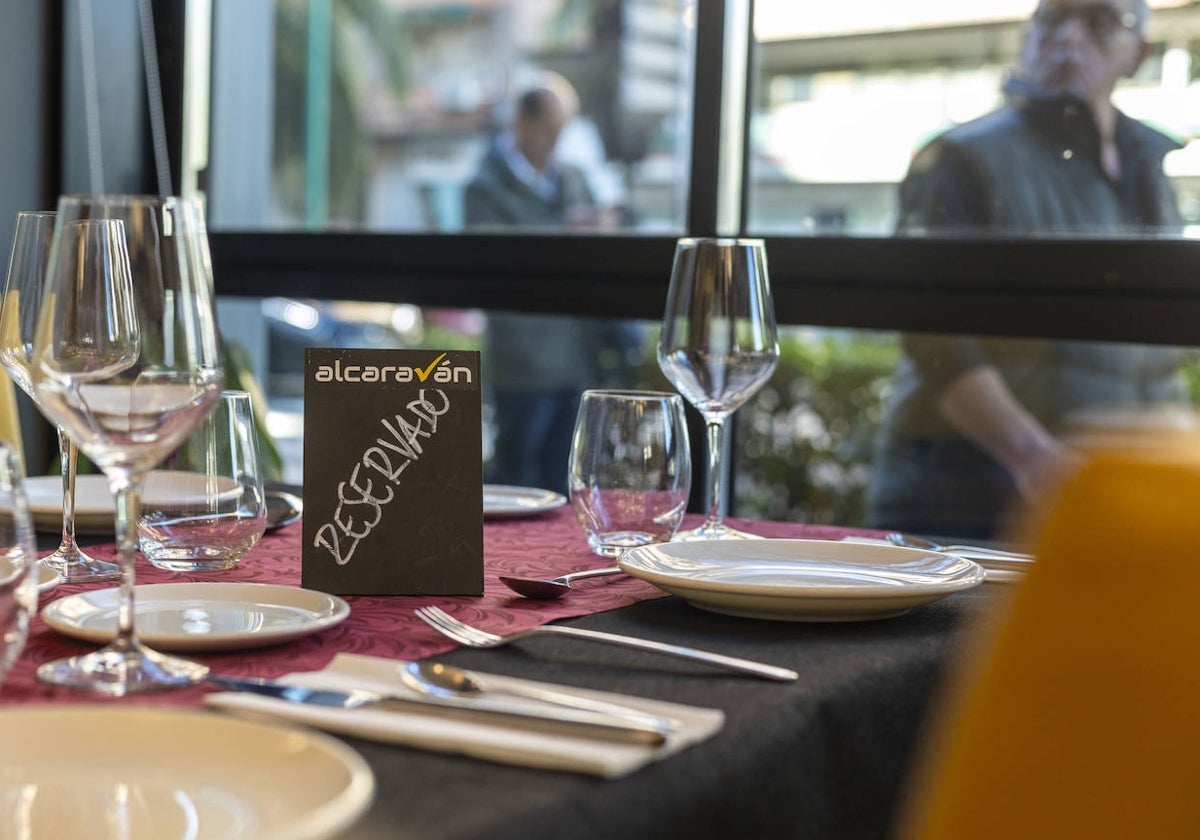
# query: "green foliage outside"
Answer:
x=804 y=441
x=356 y=26
x=806 y=438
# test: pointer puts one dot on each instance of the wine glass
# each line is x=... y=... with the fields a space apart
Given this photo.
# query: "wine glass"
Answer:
x=18 y=319
x=18 y=582
x=718 y=345
x=126 y=358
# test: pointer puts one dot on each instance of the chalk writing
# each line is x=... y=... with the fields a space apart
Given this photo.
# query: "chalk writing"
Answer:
x=361 y=497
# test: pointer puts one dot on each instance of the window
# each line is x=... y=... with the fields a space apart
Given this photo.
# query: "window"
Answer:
x=376 y=115
x=834 y=111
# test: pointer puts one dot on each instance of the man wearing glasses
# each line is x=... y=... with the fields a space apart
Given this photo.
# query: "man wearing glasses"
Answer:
x=972 y=423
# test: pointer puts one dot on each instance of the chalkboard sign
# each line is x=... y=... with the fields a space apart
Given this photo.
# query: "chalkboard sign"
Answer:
x=393 y=472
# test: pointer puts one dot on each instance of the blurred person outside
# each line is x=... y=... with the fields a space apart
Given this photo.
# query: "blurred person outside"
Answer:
x=972 y=424
x=537 y=366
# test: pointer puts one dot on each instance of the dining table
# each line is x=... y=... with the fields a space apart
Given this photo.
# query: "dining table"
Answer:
x=829 y=755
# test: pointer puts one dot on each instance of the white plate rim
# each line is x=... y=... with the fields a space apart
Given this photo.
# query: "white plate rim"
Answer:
x=89 y=519
x=48 y=578
x=321 y=819
x=44 y=493
x=144 y=593
x=533 y=500
x=635 y=563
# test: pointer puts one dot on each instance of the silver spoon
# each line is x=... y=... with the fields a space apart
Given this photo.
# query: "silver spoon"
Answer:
x=440 y=680
x=282 y=509
x=909 y=541
x=553 y=587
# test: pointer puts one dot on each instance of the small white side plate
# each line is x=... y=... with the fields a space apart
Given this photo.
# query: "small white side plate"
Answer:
x=72 y=770
x=801 y=580
x=501 y=501
x=95 y=508
x=200 y=616
x=47 y=578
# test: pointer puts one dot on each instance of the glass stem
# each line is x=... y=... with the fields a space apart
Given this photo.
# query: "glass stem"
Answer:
x=128 y=492
x=68 y=456
x=716 y=476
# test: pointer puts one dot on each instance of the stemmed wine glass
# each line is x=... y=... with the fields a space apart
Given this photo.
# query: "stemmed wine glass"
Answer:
x=18 y=320
x=718 y=345
x=126 y=358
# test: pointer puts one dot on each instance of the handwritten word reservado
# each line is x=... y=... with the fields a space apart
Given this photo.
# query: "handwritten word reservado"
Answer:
x=360 y=505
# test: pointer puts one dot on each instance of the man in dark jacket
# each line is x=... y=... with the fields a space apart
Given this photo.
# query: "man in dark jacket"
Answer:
x=972 y=424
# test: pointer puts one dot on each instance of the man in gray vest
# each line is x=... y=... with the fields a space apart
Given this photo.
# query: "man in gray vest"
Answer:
x=972 y=425
x=536 y=366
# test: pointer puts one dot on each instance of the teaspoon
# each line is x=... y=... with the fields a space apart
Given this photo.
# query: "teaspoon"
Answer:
x=440 y=680
x=553 y=587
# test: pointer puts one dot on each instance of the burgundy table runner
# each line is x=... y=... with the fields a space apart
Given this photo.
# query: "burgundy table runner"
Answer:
x=547 y=545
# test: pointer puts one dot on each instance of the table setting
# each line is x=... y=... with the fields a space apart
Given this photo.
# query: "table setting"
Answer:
x=660 y=624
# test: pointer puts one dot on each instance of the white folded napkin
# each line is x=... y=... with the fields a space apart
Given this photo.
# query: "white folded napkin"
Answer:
x=994 y=575
x=488 y=736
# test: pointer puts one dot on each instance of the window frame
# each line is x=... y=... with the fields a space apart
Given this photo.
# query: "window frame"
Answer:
x=1136 y=290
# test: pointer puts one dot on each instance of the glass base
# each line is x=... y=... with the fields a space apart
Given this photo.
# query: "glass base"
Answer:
x=75 y=566
x=118 y=670
x=188 y=563
x=713 y=531
x=616 y=543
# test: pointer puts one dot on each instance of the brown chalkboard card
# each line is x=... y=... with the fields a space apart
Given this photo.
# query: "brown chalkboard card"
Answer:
x=393 y=472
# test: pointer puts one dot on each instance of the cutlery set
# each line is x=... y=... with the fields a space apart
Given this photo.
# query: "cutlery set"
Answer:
x=449 y=689
x=446 y=687
x=994 y=557
x=618 y=723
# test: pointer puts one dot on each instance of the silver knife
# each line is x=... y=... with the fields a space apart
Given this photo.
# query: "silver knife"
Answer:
x=540 y=717
x=1011 y=562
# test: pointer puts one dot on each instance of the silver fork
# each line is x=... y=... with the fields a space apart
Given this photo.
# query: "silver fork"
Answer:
x=469 y=636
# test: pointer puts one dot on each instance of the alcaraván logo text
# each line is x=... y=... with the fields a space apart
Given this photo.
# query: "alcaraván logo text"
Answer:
x=439 y=371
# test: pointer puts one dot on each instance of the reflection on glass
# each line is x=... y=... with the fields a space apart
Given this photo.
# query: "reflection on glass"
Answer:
x=538 y=366
x=378 y=115
x=832 y=77
x=975 y=425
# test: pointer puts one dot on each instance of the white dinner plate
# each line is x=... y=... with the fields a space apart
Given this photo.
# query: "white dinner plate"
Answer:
x=503 y=502
x=146 y=773
x=95 y=508
x=200 y=616
x=179 y=487
x=94 y=505
x=47 y=578
x=801 y=580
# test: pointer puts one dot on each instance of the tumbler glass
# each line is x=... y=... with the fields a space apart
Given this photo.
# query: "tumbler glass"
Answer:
x=204 y=507
x=630 y=468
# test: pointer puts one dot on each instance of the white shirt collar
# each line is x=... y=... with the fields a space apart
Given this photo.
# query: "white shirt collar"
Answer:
x=543 y=183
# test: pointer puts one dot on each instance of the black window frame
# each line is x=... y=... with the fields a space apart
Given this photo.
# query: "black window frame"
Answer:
x=1137 y=290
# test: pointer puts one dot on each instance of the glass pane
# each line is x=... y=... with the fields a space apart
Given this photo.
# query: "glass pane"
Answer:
x=848 y=94
x=867 y=428
x=534 y=368
x=381 y=114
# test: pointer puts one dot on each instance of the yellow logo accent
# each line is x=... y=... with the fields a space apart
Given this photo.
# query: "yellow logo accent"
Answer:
x=424 y=374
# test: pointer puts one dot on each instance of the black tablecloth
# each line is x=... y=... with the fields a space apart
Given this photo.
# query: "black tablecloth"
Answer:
x=825 y=757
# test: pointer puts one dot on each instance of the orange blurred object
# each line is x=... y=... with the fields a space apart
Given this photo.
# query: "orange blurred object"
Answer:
x=1078 y=713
